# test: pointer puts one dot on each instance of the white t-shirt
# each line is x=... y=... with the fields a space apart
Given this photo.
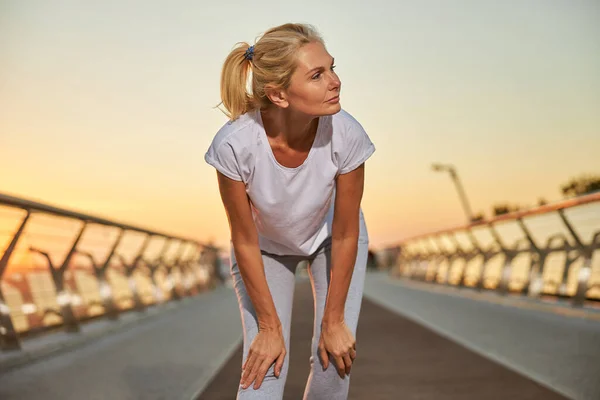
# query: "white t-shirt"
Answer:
x=292 y=207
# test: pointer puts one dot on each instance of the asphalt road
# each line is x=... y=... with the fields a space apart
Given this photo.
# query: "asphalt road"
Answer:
x=561 y=352
x=397 y=359
x=414 y=344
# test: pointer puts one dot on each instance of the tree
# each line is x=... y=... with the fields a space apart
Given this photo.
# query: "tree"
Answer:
x=478 y=217
x=504 y=208
x=581 y=185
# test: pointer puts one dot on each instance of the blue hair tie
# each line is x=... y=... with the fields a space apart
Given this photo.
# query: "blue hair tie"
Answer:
x=249 y=53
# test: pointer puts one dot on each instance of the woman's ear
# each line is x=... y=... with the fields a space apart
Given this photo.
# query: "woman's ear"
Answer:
x=277 y=96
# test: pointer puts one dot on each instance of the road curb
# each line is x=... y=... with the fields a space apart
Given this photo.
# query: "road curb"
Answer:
x=521 y=302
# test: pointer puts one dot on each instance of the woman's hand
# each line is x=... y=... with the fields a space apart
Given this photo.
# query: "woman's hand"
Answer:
x=337 y=340
x=268 y=346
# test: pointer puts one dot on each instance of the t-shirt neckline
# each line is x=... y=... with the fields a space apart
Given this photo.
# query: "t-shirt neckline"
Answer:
x=269 y=150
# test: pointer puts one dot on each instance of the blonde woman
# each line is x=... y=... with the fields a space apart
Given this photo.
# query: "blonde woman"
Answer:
x=290 y=168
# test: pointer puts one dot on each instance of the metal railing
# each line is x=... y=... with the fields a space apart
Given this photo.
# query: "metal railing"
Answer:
x=551 y=250
x=99 y=268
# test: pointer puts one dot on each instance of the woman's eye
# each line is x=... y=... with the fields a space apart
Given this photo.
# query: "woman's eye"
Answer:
x=333 y=67
x=316 y=76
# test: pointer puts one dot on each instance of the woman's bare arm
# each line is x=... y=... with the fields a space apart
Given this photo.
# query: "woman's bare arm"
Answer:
x=336 y=338
x=344 y=245
x=247 y=251
x=268 y=346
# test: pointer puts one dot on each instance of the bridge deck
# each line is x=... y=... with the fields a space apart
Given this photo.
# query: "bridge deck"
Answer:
x=194 y=348
x=397 y=359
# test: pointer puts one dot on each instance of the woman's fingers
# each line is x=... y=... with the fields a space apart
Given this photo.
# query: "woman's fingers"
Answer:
x=341 y=367
x=279 y=364
x=348 y=363
x=252 y=372
x=267 y=350
x=250 y=353
x=324 y=357
x=257 y=368
x=248 y=366
x=261 y=372
x=352 y=354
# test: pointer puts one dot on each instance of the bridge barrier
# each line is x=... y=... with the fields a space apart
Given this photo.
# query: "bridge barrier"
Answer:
x=59 y=268
x=551 y=250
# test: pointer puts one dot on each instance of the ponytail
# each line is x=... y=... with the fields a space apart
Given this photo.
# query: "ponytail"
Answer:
x=234 y=78
x=272 y=63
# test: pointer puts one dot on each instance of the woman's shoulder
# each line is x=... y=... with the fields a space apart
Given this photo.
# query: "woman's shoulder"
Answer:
x=238 y=133
x=345 y=123
x=350 y=143
x=233 y=146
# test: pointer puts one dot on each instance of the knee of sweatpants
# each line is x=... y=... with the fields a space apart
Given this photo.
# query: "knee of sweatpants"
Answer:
x=326 y=384
x=270 y=375
x=271 y=386
x=330 y=374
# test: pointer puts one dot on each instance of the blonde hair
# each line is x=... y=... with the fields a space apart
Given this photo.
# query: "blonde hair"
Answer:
x=272 y=63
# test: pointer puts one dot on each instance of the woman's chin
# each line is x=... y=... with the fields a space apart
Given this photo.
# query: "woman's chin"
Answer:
x=331 y=109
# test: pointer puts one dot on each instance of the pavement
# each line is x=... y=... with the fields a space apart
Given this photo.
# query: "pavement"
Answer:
x=168 y=357
x=554 y=345
x=398 y=358
x=415 y=341
x=58 y=341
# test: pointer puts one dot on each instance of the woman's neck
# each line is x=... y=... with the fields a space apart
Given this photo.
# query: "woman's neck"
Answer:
x=288 y=127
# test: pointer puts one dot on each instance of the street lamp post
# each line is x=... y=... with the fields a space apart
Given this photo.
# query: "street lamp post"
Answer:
x=461 y=192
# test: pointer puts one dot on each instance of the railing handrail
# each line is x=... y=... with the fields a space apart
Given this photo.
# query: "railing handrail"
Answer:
x=25 y=204
x=560 y=205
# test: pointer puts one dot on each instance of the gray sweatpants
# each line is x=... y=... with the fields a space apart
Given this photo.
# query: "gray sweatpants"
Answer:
x=280 y=273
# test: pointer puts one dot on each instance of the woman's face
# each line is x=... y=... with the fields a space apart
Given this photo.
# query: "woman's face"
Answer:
x=314 y=88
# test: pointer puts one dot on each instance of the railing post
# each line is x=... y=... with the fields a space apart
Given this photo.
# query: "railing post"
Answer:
x=106 y=293
x=477 y=249
x=154 y=266
x=424 y=265
x=485 y=253
x=175 y=264
x=183 y=267
x=587 y=253
x=461 y=253
x=105 y=289
x=503 y=285
x=208 y=258
x=130 y=268
x=533 y=288
x=64 y=297
x=443 y=254
x=583 y=278
x=561 y=286
x=9 y=338
x=440 y=255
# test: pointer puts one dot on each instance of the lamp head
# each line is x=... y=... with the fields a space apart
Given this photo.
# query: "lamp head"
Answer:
x=438 y=167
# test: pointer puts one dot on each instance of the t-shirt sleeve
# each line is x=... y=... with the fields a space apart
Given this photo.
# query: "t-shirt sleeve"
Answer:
x=356 y=148
x=222 y=157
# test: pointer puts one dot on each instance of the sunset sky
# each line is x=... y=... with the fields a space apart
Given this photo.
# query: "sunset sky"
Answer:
x=108 y=107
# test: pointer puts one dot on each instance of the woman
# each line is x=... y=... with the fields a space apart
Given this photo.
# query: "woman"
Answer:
x=290 y=168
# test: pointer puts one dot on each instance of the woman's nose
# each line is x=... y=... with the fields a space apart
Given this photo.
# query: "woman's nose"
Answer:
x=334 y=83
